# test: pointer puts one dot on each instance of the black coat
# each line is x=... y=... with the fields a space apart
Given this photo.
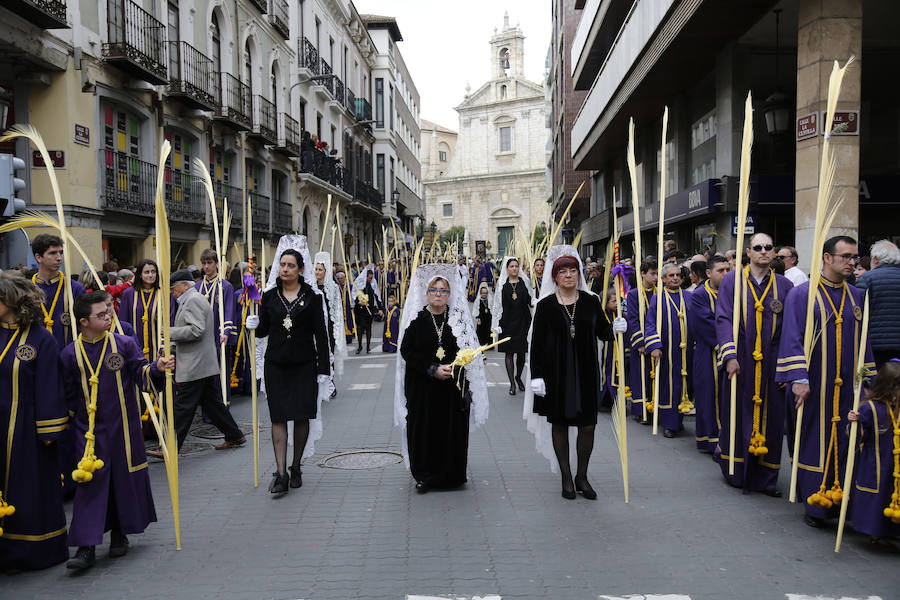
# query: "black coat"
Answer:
x=307 y=340
x=516 y=318
x=570 y=368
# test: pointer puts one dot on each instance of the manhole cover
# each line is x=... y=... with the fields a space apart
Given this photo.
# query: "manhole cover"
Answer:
x=210 y=432
x=362 y=459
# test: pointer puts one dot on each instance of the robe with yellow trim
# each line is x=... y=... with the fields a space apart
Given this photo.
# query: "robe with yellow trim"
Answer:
x=131 y=310
x=32 y=411
x=634 y=339
x=391 y=329
x=118 y=496
x=758 y=473
x=666 y=336
x=349 y=318
x=815 y=429
x=609 y=370
x=874 y=481
x=703 y=367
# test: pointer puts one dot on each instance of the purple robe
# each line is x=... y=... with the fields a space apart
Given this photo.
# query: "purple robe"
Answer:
x=34 y=536
x=666 y=336
x=608 y=370
x=349 y=318
x=471 y=288
x=537 y=281
x=485 y=273
x=756 y=473
x=240 y=383
x=634 y=339
x=818 y=407
x=874 y=469
x=392 y=327
x=210 y=290
x=119 y=494
x=131 y=310
x=704 y=370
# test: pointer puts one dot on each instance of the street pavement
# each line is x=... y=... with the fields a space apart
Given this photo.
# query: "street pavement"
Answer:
x=365 y=533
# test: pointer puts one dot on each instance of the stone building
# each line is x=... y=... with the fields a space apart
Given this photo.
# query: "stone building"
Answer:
x=495 y=182
x=106 y=82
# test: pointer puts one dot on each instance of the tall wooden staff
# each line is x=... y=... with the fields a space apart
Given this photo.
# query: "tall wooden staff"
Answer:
x=325 y=226
x=854 y=425
x=659 y=258
x=743 y=205
x=642 y=306
x=251 y=355
x=824 y=215
x=619 y=419
x=337 y=218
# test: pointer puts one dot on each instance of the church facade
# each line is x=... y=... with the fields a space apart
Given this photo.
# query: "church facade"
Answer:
x=495 y=184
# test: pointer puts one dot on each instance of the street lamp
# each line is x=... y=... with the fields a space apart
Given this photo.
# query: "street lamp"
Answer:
x=4 y=108
x=395 y=197
x=433 y=228
x=776 y=107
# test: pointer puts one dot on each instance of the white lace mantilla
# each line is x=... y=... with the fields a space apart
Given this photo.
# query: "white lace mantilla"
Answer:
x=497 y=307
x=336 y=305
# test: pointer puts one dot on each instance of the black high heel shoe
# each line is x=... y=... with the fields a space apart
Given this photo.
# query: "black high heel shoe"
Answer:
x=585 y=488
x=512 y=389
x=520 y=384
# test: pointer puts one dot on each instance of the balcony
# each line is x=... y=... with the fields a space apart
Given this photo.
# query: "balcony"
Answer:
x=283 y=218
x=278 y=17
x=235 y=106
x=234 y=196
x=288 y=136
x=262 y=210
x=350 y=102
x=368 y=196
x=307 y=57
x=324 y=88
x=129 y=187
x=137 y=41
x=338 y=89
x=363 y=110
x=46 y=14
x=191 y=76
x=265 y=121
x=260 y=5
x=324 y=171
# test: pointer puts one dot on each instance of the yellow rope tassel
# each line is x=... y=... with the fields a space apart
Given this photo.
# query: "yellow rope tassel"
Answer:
x=89 y=461
x=757 y=439
x=892 y=511
x=48 y=315
x=685 y=406
x=6 y=509
x=234 y=381
x=827 y=498
x=145 y=320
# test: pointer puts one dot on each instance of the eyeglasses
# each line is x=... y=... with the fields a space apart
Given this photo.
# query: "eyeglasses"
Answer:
x=567 y=271
x=100 y=316
x=438 y=291
x=847 y=257
x=760 y=247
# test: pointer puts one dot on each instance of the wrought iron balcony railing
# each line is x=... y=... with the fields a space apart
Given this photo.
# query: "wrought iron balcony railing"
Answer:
x=363 y=110
x=265 y=120
x=278 y=17
x=191 y=76
x=283 y=217
x=367 y=195
x=129 y=186
x=235 y=198
x=350 y=102
x=136 y=41
x=46 y=14
x=288 y=135
x=262 y=209
x=325 y=69
x=308 y=56
x=235 y=103
x=338 y=90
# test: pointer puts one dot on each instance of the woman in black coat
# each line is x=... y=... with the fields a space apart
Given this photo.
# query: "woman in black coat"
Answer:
x=512 y=314
x=296 y=361
x=482 y=313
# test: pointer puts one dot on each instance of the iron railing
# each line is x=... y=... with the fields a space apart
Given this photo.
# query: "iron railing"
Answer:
x=278 y=17
x=366 y=194
x=363 y=110
x=288 y=135
x=261 y=209
x=136 y=40
x=308 y=56
x=191 y=75
x=325 y=69
x=235 y=102
x=350 y=101
x=324 y=167
x=129 y=186
x=47 y=14
x=265 y=119
x=338 y=90
x=283 y=217
x=235 y=197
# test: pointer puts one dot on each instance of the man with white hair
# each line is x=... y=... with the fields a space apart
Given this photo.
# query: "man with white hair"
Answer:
x=790 y=258
x=882 y=284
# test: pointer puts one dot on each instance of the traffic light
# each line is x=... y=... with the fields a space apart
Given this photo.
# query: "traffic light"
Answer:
x=10 y=185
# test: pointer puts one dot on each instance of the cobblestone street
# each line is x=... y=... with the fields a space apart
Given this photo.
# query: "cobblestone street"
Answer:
x=366 y=534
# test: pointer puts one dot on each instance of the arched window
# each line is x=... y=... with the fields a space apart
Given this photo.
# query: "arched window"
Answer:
x=274 y=85
x=216 y=44
x=306 y=221
x=504 y=59
x=248 y=66
x=503 y=92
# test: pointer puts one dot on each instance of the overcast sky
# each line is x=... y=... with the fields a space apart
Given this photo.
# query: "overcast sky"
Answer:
x=447 y=43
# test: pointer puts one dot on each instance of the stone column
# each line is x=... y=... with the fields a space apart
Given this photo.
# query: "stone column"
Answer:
x=827 y=31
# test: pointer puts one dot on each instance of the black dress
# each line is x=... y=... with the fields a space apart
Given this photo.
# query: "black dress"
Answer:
x=570 y=368
x=484 y=329
x=293 y=356
x=329 y=322
x=437 y=421
x=516 y=317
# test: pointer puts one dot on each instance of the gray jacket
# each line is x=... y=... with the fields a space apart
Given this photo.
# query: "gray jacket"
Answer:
x=194 y=335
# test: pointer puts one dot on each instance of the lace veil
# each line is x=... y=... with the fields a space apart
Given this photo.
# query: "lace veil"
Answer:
x=336 y=305
x=497 y=306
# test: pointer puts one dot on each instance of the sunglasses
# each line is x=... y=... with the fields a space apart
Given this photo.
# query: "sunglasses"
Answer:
x=760 y=247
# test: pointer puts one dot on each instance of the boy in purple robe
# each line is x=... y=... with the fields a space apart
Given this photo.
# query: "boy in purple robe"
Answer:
x=634 y=339
x=609 y=369
x=208 y=286
x=391 y=326
x=33 y=416
x=825 y=387
x=759 y=427
x=346 y=289
x=104 y=370
x=704 y=367
x=668 y=343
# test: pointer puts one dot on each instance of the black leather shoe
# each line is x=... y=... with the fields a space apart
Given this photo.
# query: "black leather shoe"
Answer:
x=568 y=494
x=421 y=487
x=118 y=545
x=814 y=522
x=296 y=477
x=512 y=390
x=669 y=433
x=582 y=485
x=358 y=350
x=279 y=485
x=773 y=493
x=83 y=559
x=520 y=384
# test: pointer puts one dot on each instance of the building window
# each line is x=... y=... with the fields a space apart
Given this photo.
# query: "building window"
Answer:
x=703 y=130
x=703 y=172
x=506 y=139
x=379 y=173
x=379 y=103
x=178 y=175
x=391 y=113
x=503 y=92
x=447 y=210
x=319 y=126
x=442 y=156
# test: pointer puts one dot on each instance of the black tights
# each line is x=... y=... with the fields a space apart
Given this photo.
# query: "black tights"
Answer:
x=519 y=366
x=584 y=445
x=280 y=439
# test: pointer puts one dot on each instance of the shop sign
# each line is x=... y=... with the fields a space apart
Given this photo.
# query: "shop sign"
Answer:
x=82 y=135
x=807 y=127
x=749 y=225
x=697 y=200
x=57 y=159
x=846 y=122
